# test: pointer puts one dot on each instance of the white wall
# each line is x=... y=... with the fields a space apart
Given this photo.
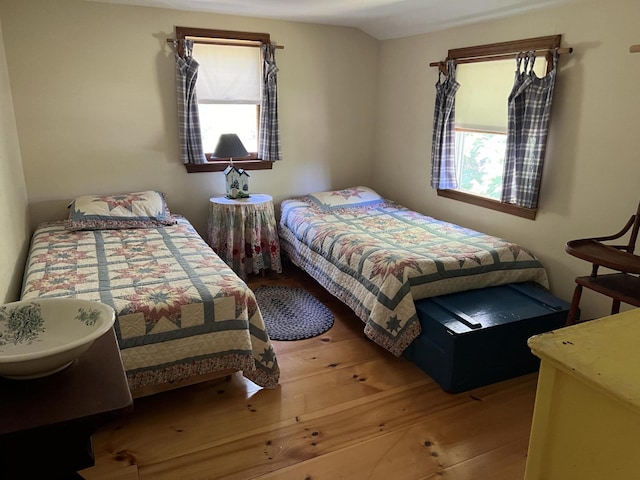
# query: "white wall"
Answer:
x=93 y=86
x=14 y=239
x=591 y=179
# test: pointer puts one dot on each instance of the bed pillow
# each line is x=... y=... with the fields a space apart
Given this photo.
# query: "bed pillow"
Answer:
x=128 y=210
x=349 y=197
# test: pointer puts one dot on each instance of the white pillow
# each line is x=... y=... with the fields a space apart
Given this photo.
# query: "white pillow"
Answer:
x=128 y=210
x=348 y=197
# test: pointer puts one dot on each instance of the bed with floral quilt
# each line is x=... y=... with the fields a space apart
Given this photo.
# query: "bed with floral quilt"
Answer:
x=378 y=257
x=181 y=312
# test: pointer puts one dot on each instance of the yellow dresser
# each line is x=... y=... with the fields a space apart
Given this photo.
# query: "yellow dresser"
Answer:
x=586 y=421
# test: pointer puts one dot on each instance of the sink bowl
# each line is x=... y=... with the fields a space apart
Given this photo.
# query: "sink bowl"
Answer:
x=40 y=337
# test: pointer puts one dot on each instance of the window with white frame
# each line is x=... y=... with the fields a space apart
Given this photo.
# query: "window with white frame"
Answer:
x=481 y=124
x=228 y=90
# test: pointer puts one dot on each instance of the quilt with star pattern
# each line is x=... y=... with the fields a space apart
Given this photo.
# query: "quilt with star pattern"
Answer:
x=378 y=257
x=180 y=310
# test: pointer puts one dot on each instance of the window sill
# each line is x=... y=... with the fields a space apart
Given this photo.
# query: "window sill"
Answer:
x=220 y=166
x=528 y=213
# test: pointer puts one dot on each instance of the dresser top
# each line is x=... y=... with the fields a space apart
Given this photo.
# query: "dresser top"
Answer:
x=604 y=353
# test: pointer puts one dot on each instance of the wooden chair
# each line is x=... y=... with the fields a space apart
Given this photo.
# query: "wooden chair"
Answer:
x=622 y=287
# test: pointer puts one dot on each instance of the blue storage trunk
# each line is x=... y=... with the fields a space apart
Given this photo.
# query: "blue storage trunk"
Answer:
x=474 y=338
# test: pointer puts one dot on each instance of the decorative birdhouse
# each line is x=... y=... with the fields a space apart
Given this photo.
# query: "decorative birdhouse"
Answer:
x=229 y=146
x=244 y=182
x=237 y=182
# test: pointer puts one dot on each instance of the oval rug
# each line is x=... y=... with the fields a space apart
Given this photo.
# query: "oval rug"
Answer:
x=292 y=313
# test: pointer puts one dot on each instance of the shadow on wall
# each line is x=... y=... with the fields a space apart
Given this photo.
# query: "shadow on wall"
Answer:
x=47 y=211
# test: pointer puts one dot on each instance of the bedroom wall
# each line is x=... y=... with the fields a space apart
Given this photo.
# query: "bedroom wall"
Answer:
x=14 y=239
x=591 y=180
x=93 y=86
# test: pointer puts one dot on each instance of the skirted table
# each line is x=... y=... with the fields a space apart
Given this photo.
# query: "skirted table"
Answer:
x=243 y=232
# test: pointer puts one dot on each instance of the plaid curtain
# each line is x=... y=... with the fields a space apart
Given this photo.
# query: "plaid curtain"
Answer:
x=529 y=108
x=269 y=140
x=190 y=139
x=443 y=156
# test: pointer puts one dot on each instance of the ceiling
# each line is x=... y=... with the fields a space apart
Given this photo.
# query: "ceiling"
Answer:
x=382 y=19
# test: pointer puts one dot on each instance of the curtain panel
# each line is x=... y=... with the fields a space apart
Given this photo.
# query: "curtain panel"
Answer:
x=529 y=109
x=269 y=138
x=443 y=155
x=190 y=139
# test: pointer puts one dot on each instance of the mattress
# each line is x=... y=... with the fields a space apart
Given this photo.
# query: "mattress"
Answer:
x=378 y=257
x=180 y=310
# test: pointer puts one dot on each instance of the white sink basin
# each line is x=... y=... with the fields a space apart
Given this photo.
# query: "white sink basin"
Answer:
x=40 y=337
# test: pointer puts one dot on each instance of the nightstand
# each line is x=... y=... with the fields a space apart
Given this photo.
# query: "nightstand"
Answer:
x=243 y=232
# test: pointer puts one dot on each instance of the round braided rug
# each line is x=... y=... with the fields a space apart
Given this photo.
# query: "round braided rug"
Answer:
x=291 y=313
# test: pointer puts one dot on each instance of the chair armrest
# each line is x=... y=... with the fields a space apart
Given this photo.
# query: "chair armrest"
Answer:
x=608 y=256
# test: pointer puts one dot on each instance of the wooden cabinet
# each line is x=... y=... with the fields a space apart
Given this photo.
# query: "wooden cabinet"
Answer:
x=586 y=422
x=46 y=423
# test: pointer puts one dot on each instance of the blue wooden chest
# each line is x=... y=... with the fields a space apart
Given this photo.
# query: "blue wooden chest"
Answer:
x=474 y=338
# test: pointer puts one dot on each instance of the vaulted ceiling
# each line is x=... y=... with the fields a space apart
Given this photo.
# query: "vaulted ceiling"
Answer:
x=382 y=19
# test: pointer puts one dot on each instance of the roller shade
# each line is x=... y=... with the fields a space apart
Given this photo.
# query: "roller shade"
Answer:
x=228 y=74
x=481 y=100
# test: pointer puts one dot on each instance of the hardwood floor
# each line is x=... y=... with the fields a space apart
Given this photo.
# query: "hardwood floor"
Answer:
x=345 y=409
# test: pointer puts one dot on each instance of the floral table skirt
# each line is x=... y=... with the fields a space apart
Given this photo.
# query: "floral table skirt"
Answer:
x=243 y=232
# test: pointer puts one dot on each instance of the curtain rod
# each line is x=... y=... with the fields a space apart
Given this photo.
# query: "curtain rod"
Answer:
x=221 y=42
x=503 y=56
x=634 y=49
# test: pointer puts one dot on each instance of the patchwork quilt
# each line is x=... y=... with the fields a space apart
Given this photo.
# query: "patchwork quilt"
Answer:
x=181 y=311
x=378 y=257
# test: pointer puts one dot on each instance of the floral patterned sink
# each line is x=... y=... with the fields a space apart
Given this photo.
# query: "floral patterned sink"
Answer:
x=43 y=336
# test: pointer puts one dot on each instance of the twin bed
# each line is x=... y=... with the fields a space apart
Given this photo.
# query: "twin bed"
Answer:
x=379 y=257
x=181 y=312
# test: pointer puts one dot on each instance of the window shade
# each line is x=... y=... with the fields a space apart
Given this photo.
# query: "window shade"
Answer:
x=228 y=74
x=481 y=101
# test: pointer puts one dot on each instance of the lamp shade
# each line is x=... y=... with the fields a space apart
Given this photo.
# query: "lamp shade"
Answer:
x=230 y=146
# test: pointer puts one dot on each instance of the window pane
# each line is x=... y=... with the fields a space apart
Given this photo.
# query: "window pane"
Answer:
x=216 y=119
x=481 y=162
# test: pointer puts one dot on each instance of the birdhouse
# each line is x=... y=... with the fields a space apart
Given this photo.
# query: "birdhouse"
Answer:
x=244 y=182
x=237 y=182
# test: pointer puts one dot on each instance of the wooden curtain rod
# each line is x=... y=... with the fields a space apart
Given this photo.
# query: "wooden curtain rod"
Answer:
x=221 y=42
x=634 y=49
x=503 y=56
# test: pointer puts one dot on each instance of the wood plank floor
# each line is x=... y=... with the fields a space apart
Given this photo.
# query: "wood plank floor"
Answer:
x=345 y=409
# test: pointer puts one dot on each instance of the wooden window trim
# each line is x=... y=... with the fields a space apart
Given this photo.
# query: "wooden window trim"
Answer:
x=229 y=37
x=506 y=50
x=528 y=213
x=235 y=38
x=219 y=166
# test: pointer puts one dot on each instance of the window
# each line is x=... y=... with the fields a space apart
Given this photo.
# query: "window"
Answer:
x=480 y=162
x=481 y=124
x=229 y=92
x=485 y=75
x=229 y=89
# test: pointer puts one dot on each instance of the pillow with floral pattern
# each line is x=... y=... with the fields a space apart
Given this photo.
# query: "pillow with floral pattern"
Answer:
x=348 y=197
x=127 y=210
